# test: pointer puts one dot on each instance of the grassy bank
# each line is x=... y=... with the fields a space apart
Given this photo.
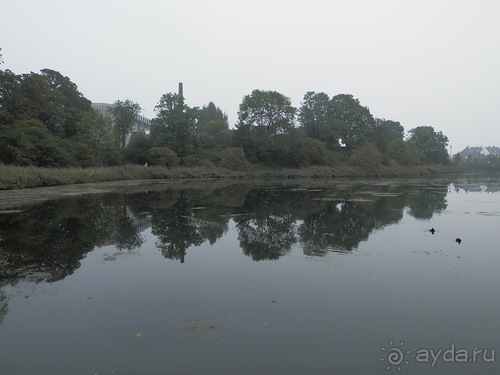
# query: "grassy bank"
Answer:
x=14 y=177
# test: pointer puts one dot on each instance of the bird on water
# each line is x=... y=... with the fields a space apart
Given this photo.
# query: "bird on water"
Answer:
x=458 y=240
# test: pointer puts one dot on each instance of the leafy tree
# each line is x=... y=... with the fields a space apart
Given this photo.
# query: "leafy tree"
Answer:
x=137 y=149
x=267 y=112
x=353 y=122
x=48 y=97
x=315 y=115
x=430 y=144
x=124 y=114
x=72 y=103
x=96 y=131
x=386 y=131
x=175 y=125
x=213 y=128
x=28 y=142
x=400 y=151
x=265 y=119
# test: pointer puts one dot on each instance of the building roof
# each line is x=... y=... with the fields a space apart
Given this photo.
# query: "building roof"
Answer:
x=479 y=151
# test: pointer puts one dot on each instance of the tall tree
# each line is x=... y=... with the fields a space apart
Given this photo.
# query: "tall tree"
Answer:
x=315 y=115
x=48 y=97
x=430 y=144
x=386 y=131
x=124 y=114
x=213 y=127
x=267 y=112
x=96 y=131
x=175 y=125
x=72 y=103
x=354 y=123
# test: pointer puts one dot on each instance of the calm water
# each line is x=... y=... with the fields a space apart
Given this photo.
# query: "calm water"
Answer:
x=337 y=278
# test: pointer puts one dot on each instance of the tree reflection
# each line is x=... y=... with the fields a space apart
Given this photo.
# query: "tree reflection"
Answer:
x=176 y=230
x=428 y=202
x=266 y=237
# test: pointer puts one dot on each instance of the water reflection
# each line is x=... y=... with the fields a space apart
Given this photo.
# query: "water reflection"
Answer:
x=48 y=241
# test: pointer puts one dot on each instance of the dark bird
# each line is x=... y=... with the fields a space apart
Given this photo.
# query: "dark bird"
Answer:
x=458 y=240
x=432 y=230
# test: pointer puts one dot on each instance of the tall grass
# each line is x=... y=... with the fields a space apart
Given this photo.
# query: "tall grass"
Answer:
x=15 y=177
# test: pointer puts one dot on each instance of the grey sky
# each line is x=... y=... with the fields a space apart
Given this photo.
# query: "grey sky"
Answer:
x=420 y=62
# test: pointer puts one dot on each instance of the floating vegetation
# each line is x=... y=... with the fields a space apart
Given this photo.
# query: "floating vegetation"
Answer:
x=197 y=325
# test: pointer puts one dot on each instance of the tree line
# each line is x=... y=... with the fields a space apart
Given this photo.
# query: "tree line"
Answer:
x=45 y=121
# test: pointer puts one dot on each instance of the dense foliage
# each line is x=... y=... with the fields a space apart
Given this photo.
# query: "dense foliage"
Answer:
x=45 y=121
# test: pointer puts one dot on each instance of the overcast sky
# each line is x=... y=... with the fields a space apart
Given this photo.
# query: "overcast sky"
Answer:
x=419 y=62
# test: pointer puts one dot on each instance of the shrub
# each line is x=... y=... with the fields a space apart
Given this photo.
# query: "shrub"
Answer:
x=307 y=151
x=367 y=157
x=162 y=156
x=233 y=158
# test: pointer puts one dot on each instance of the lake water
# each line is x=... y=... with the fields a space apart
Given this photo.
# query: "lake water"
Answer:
x=340 y=277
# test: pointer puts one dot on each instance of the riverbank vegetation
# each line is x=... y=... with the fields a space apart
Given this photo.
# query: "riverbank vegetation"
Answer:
x=16 y=177
x=50 y=135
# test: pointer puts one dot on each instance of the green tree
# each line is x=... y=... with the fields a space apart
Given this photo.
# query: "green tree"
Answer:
x=400 y=151
x=175 y=125
x=124 y=114
x=137 y=150
x=315 y=116
x=353 y=122
x=430 y=144
x=97 y=132
x=267 y=112
x=386 y=131
x=265 y=119
x=213 y=128
x=48 y=97
x=28 y=142
x=71 y=102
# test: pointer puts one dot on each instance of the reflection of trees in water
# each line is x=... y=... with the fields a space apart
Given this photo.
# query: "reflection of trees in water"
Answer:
x=266 y=237
x=47 y=242
x=187 y=222
x=176 y=230
x=428 y=202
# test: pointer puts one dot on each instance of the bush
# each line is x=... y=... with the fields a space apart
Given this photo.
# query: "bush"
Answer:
x=162 y=156
x=233 y=158
x=367 y=157
x=307 y=151
x=399 y=150
x=137 y=150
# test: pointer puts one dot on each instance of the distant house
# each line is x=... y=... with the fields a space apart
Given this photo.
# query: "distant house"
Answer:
x=470 y=152
x=141 y=126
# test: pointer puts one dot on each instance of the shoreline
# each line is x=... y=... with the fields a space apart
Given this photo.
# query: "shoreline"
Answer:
x=141 y=179
x=15 y=177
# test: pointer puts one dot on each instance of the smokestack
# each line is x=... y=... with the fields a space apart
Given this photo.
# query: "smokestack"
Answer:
x=181 y=90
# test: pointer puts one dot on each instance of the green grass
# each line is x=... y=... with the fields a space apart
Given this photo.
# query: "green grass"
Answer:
x=15 y=177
